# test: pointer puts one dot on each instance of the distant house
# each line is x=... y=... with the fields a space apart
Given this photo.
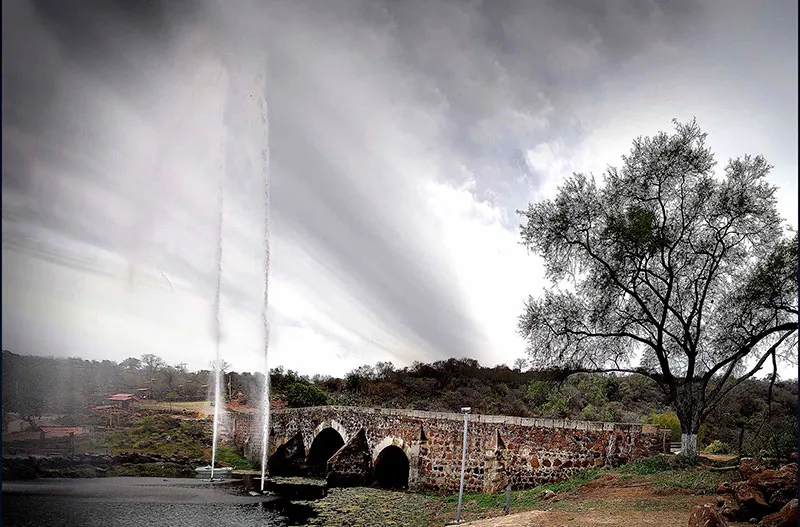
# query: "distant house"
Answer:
x=124 y=400
x=49 y=431
x=13 y=426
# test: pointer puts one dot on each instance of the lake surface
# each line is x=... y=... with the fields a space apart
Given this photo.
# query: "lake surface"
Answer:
x=129 y=502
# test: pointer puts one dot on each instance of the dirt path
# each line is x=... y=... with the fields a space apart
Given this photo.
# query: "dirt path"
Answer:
x=204 y=408
x=609 y=502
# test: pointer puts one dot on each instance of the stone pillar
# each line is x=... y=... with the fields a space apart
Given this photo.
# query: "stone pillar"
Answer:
x=289 y=459
x=415 y=479
x=495 y=478
x=351 y=466
x=416 y=463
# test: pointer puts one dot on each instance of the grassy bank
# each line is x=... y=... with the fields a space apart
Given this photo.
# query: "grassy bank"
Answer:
x=652 y=484
x=169 y=436
x=657 y=489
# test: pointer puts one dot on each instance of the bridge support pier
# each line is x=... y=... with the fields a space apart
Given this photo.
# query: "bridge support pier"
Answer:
x=495 y=477
x=351 y=466
x=415 y=480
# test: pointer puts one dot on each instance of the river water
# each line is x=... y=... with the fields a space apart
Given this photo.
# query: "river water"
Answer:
x=129 y=502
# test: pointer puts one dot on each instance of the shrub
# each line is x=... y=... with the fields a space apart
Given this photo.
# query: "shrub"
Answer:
x=667 y=420
x=658 y=463
x=717 y=447
x=300 y=394
x=232 y=457
x=781 y=439
x=648 y=465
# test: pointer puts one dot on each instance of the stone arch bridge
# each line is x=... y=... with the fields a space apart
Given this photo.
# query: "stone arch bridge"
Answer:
x=422 y=450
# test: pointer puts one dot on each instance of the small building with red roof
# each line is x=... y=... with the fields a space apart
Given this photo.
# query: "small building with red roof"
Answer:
x=124 y=400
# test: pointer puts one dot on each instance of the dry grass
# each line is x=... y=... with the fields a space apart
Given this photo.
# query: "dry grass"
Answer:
x=651 y=492
x=202 y=407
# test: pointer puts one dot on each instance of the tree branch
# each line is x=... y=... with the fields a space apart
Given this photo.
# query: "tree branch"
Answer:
x=718 y=394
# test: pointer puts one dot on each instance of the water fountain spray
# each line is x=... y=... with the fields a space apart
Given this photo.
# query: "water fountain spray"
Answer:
x=265 y=166
x=217 y=306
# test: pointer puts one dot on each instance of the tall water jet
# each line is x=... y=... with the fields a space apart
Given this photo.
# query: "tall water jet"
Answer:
x=262 y=100
x=217 y=306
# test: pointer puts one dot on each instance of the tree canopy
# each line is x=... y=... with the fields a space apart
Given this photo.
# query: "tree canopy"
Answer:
x=668 y=270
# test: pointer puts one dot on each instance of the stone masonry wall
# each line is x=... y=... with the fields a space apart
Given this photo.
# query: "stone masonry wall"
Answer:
x=524 y=452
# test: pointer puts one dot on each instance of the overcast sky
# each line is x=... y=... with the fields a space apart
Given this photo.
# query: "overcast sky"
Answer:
x=403 y=136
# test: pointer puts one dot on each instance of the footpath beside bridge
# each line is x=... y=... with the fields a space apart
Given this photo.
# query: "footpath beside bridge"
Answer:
x=422 y=450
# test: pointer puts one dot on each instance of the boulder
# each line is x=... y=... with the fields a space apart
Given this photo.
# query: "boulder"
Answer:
x=771 y=481
x=706 y=516
x=728 y=508
x=737 y=485
x=786 y=517
x=724 y=488
x=547 y=495
x=751 y=501
x=748 y=467
x=733 y=513
x=777 y=486
x=781 y=498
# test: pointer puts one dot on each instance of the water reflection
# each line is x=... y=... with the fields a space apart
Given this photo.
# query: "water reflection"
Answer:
x=127 y=502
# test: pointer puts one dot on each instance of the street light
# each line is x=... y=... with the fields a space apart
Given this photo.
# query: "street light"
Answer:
x=466 y=410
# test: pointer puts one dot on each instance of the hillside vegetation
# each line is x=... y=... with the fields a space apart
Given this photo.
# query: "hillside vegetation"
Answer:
x=33 y=386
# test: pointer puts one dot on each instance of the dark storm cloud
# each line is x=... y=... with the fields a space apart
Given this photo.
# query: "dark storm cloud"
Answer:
x=368 y=102
x=463 y=63
x=506 y=74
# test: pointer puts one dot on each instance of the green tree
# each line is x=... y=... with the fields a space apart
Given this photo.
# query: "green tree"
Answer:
x=301 y=394
x=152 y=363
x=131 y=364
x=693 y=273
x=667 y=420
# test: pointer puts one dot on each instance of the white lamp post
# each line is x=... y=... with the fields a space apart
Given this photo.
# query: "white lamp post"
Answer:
x=466 y=410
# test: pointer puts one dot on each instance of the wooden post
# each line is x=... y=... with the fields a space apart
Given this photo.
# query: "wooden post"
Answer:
x=508 y=499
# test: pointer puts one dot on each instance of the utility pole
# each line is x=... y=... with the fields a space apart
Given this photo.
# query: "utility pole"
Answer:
x=466 y=410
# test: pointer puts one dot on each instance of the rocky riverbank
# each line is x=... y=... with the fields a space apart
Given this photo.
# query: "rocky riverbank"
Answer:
x=99 y=465
x=764 y=496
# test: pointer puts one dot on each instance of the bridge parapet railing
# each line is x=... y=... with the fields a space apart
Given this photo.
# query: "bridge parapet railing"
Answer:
x=533 y=422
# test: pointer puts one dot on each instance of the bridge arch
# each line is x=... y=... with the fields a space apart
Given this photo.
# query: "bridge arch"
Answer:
x=336 y=425
x=391 y=460
x=329 y=437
